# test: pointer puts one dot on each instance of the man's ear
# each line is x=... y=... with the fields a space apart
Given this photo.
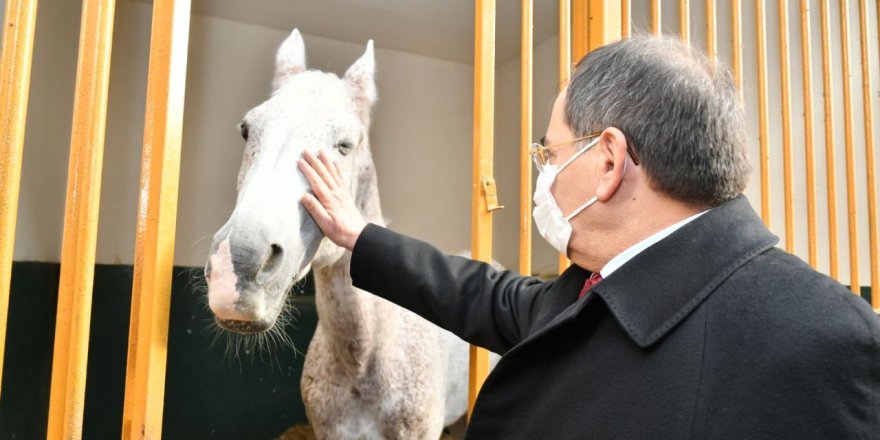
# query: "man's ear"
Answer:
x=612 y=148
x=290 y=59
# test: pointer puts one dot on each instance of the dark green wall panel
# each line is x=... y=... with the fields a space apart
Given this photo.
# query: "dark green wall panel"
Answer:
x=207 y=394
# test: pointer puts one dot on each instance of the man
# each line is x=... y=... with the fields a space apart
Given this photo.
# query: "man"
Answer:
x=678 y=318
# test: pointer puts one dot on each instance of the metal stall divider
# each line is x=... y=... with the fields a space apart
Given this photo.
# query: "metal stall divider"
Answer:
x=656 y=18
x=565 y=69
x=807 y=62
x=70 y=356
x=852 y=213
x=785 y=78
x=684 y=20
x=737 y=45
x=868 y=112
x=15 y=75
x=483 y=181
x=156 y=224
x=831 y=177
x=525 y=130
x=711 y=38
x=763 y=125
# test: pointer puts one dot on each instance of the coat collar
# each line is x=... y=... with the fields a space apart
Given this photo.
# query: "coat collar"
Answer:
x=655 y=290
x=659 y=287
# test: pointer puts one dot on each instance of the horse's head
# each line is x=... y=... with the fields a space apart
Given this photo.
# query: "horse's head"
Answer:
x=270 y=241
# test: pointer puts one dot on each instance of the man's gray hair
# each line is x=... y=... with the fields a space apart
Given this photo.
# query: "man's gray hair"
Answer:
x=680 y=112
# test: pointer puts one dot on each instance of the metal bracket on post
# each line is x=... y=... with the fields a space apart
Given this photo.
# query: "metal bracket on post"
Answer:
x=490 y=193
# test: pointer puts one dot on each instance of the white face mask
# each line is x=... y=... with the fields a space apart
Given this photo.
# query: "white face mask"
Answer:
x=553 y=226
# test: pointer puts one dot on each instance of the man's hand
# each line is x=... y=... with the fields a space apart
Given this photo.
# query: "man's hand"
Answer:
x=331 y=206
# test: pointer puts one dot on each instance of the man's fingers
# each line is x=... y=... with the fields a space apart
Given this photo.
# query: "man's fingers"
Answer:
x=318 y=163
x=337 y=172
x=332 y=168
x=316 y=210
x=318 y=184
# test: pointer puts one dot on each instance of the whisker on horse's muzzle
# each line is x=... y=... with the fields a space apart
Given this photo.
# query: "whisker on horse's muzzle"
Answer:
x=244 y=327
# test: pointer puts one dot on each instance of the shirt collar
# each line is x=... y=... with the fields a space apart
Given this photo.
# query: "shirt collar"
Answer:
x=634 y=250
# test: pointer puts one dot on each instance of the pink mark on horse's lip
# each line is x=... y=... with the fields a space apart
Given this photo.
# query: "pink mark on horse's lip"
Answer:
x=222 y=295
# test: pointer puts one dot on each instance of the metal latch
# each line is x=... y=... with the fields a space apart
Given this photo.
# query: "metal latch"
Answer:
x=490 y=193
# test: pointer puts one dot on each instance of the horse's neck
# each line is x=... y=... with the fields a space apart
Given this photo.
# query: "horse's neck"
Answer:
x=345 y=313
x=348 y=315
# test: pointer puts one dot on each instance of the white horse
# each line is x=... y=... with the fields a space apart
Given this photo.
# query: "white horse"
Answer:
x=372 y=370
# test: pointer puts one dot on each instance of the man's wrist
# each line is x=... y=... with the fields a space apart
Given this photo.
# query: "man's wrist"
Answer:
x=353 y=237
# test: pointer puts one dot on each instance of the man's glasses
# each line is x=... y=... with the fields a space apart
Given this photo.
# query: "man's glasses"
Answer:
x=542 y=155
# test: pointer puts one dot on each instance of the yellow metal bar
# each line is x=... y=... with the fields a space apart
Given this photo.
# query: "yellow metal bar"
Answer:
x=525 y=130
x=807 y=63
x=484 y=119
x=625 y=18
x=785 y=74
x=867 y=94
x=711 y=38
x=684 y=20
x=604 y=23
x=67 y=393
x=564 y=42
x=578 y=29
x=852 y=218
x=656 y=18
x=564 y=71
x=156 y=226
x=831 y=186
x=19 y=21
x=763 y=129
x=736 y=55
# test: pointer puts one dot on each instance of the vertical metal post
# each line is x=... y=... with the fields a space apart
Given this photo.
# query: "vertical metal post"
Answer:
x=831 y=179
x=807 y=62
x=484 y=118
x=656 y=18
x=684 y=20
x=564 y=72
x=156 y=226
x=604 y=23
x=852 y=215
x=785 y=73
x=867 y=94
x=67 y=395
x=19 y=21
x=711 y=38
x=578 y=29
x=525 y=130
x=736 y=49
x=764 y=160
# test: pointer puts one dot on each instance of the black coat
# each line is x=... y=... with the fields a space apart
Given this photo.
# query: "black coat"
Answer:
x=712 y=333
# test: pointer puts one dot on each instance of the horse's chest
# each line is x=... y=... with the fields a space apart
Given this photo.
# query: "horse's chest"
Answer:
x=361 y=422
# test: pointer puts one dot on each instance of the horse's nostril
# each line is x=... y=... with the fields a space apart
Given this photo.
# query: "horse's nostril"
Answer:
x=273 y=262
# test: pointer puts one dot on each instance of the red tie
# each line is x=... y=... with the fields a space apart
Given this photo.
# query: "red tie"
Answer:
x=592 y=281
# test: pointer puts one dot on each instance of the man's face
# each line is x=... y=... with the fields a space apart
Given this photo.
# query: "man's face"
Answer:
x=573 y=184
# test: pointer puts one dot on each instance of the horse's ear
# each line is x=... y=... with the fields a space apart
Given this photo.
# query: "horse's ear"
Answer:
x=361 y=75
x=290 y=60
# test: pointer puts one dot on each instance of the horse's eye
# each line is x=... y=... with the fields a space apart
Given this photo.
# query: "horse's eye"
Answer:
x=344 y=147
x=244 y=130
